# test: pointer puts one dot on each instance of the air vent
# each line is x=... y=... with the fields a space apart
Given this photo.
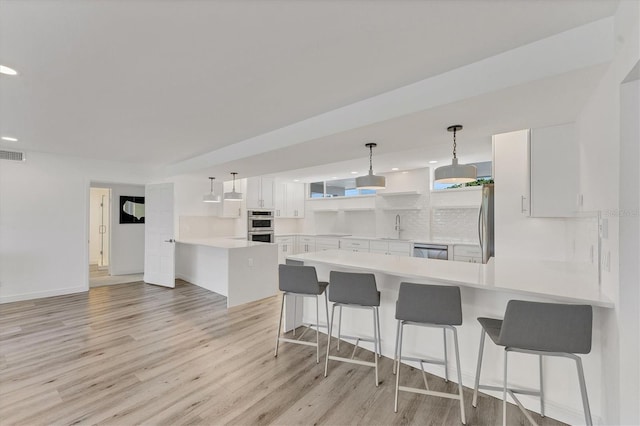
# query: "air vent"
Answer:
x=11 y=155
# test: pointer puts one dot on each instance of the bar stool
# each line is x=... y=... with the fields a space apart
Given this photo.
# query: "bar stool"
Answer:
x=355 y=290
x=543 y=329
x=428 y=306
x=301 y=281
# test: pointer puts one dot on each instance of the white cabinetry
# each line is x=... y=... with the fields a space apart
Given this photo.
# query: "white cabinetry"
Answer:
x=286 y=247
x=554 y=171
x=351 y=244
x=395 y=248
x=467 y=253
x=538 y=170
x=306 y=244
x=260 y=193
x=327 y=243
x=232 y=209
x=289 y=200
x=511 y=170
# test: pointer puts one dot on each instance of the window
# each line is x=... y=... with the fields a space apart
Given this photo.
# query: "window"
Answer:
x=337 y=188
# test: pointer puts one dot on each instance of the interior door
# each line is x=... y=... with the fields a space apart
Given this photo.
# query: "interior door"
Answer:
x=159 y=245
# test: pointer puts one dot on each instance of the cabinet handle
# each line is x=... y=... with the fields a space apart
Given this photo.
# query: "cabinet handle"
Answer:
x=522 y=204
x=238 y=212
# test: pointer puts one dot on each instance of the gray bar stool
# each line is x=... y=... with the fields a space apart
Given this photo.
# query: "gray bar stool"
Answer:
x=543 y=329
x=301 y=281
x=429 y=306
x=355 y=290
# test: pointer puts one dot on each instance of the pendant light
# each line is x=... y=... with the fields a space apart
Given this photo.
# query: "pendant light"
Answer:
x=233 y=195
x=211 y=197
x=455 y=173
x=371 y=181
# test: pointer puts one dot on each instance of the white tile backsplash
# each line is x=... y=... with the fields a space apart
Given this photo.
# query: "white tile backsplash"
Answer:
x=455 y=224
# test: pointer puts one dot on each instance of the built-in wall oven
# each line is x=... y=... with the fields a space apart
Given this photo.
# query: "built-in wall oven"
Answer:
x=260 y=226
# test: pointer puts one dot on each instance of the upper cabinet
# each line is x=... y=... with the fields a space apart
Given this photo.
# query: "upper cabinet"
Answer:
x=538 y=171
x=554 y=171
x=289 y=200
x=260 y=193
x=511 y=171
x=232 y=209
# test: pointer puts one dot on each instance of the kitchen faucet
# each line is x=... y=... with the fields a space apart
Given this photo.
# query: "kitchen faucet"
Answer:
x=398 y=225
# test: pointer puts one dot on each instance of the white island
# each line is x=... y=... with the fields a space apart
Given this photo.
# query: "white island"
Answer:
x=485 y=291
x=242 y=271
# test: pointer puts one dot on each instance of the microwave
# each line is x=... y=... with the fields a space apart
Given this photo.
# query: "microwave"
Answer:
x=259 y=220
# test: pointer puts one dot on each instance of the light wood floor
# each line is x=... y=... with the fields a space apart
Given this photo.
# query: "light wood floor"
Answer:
x=135 y=353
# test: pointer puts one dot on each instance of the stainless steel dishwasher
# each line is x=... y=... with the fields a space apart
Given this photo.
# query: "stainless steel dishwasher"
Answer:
x=431 y=251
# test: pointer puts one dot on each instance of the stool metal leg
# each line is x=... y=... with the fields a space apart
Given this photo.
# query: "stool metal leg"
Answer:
x=399 y=356
x=395 y=352
x=326 y=361
x=339 y=324
x=474 y=403
x=541 y=388
x=455 y=344
x=279 y=325
x=376 y=338
x=583 y=392
x=379 y=338
x=504 y=391
x=317 y=332
x=446 y=363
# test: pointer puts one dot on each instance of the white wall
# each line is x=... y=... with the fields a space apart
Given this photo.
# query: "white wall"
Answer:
x=127 y=239
x=44 y=224
x=599 y=135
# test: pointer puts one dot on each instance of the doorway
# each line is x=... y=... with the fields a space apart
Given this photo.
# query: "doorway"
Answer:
x=99 y=232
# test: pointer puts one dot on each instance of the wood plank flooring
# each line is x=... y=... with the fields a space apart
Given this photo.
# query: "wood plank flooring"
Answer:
x=134 y=353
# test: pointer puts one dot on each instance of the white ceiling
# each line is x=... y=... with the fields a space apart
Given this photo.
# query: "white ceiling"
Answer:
x=158 y=82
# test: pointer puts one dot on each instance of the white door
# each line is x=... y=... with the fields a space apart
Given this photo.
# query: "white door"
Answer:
x=159 y=245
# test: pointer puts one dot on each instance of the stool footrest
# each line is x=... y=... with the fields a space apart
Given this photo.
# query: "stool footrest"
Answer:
x=361 y=339
x=352 y=361
x=430 y=392
x=299 y=342
x=426 y=361
x=521 y=407
x=531 y=392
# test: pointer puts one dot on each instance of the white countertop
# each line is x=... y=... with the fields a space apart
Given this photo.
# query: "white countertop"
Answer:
x=562 y=281
x=221 y=242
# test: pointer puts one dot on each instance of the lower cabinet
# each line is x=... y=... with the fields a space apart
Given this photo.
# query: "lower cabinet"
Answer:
x=395 y=248
x=354 y=244
x=323 y=243
x=467 y=253
x=286 y=247
x=306 y=244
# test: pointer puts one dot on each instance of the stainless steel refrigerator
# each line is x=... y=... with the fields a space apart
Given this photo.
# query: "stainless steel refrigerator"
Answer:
x=485 y=223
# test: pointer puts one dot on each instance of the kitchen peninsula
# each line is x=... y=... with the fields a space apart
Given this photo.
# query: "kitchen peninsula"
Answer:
x=242 y=271
x=485 y=291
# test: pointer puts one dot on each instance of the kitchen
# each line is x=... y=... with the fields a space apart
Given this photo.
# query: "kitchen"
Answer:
x=504 y=96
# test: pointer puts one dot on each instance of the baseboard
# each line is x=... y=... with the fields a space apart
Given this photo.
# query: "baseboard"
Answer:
x=184 y=277
x=41 y=294
x=126 y=272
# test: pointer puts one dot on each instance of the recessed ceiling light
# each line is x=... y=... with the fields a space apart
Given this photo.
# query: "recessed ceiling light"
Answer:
x=296 y=180
x=7 y=70
x=394 y=169
x=404 y=173
x=334 y=177
x=9 y=139
x=432 y=162
x=354 y=173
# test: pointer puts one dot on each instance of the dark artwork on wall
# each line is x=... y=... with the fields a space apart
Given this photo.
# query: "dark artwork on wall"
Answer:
x=131 y=209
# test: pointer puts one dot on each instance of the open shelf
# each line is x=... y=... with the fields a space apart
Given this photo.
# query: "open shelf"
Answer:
x=401 y=208
x=398 y=193
x=325 y=211
x=455 y=207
